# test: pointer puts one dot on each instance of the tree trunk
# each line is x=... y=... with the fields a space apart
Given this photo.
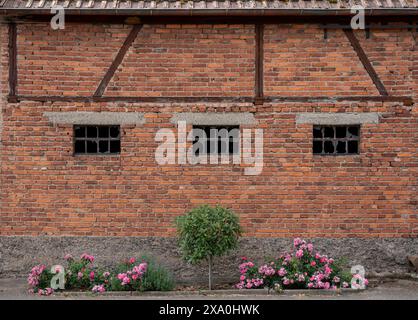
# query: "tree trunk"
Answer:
x=210 y=272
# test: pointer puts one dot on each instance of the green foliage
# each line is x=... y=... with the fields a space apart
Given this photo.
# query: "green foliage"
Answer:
x=157 y=277
x=78 y=274
x=45 y=279
x=341 y=268
x=207 y=231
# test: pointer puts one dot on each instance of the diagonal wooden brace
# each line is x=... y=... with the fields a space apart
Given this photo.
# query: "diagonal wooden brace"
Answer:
x=365 y=61
x=117 y=61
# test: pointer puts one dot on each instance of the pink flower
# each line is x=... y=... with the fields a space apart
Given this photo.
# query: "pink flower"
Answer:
x=336 y=279
x=132 y=260
x=326 y=285
x=244 y=258
x=313 y=263
x=92 y=275
x=282 y=272
x=297 y=242
x=87 y=257
x=68 y=257
x=366 y=282
x=242 y=278
x=310 y=247
x=106 y=274
x=98 y=288
x=299 y=253
x=79 y=275
x=266 y=270
x=126 y=280
x=310 y=285
x=327 y=271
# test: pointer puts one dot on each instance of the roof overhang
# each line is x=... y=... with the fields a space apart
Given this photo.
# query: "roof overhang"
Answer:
x=213 y=12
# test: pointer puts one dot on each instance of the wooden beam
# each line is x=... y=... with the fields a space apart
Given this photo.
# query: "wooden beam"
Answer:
x=402 y=99
x=118 y=60
x=259 y=68
x=129 y=99
x=12 y=98
x=308 y=99
x=365 y=61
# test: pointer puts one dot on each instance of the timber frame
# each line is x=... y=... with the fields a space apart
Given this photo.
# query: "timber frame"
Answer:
x=258 y=99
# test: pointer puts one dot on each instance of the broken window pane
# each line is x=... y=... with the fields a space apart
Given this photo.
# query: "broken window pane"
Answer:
x=103 y=146
x=91 y=132
x=341 y=146
x=80 y=146
x=353 y=146
x=341 y=132
x=336 y=140
x=317 y=147
x=79 y=132
x=114 y=146
x=328 y=147
x=353 y=132
x=91 y=146
x=103 y=132
x=328 y=132
x=317 y=132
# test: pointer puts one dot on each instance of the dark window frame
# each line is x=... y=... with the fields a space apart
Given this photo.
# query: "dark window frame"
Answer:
x=207 y=129
x=97 y=139
x=335 y=140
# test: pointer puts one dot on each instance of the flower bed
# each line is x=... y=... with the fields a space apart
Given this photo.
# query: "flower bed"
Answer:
x=302 y=268
x=82 y=275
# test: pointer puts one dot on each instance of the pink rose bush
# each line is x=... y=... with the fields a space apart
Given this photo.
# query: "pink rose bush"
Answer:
x=131 y=275
x=39 y=280
x=302 y=268
x=82 y=274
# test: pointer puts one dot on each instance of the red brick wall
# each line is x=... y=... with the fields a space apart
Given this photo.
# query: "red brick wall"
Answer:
x=46 y=190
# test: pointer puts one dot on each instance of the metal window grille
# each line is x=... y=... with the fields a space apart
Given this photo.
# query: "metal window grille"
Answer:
x=96 y=139
x=336 y=140
x=218 y=141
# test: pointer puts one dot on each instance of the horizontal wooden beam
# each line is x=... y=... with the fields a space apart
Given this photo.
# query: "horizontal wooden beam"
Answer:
x=191 y=19
x=403 y=99
x=347 y=26
x=138 y=99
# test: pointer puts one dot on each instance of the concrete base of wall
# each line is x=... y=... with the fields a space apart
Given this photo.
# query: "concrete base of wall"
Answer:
x=19 y=254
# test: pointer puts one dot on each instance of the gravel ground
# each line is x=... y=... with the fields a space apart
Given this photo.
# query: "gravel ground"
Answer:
x=388 y=290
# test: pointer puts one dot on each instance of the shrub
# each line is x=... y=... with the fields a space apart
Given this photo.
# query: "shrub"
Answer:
x=206 y=232
x=303 y=268
x=143 y=276
x=81 y=274
x=129 y=276
x=39 y=280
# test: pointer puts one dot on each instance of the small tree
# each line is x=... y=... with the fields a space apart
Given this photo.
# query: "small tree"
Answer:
x=206 y=232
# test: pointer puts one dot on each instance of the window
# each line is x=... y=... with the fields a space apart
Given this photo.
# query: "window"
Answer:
x=96 y=139
x=219 y=139
x=336 y=140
